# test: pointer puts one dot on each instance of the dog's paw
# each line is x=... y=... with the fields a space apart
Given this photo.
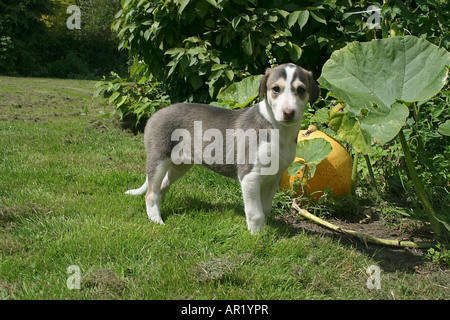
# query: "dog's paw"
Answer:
x=255 y=223
x=255 y=230
x=156 y=219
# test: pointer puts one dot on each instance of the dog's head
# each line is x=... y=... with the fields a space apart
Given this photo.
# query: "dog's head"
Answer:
x=287 y=89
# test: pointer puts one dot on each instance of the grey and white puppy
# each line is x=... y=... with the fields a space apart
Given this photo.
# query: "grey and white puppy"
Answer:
x=260 y=142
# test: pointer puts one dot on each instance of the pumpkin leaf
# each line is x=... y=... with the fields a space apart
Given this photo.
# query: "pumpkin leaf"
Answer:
x=444 y=128
x=382 y=71
x=295 y=167
x=349 y=129
x=384 y=126
x=313 y=151
x=372 y=77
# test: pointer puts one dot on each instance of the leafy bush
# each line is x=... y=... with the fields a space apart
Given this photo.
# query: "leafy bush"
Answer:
x=7 y=56
x=68 y=66
x=202 y=46
x=134 y=101
x=23 y=33
x=35 y=40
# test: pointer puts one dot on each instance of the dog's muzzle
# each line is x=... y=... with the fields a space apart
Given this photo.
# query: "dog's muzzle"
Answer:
x=288 y=114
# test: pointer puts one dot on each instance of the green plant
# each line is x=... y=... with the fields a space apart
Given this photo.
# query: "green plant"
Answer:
x=239 y=94
x=312 y=151
x=136 y=99
x=203 y=46
x=7 y=56
x=426 y=19
x=379 y=81
x=439 y=254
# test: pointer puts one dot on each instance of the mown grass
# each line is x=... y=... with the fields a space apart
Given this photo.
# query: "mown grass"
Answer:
x=62 y=203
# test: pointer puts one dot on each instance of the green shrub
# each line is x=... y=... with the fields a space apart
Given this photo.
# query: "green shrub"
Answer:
x=198 y=48
x=7 y=56
x=68 y=66
x=202 y=46
x=133 y=101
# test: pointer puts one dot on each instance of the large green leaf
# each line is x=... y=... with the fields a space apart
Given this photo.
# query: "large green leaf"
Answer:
x=444 y=128
x=384 y=126
x=313 y=151
x=382 y=71
x=240 y=94
x=372 y=78
x=349 y=129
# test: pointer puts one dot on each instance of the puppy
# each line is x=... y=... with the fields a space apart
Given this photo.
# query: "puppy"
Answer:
x=253 y=145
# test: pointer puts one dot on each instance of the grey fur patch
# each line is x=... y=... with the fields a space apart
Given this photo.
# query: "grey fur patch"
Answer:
x=160 y=126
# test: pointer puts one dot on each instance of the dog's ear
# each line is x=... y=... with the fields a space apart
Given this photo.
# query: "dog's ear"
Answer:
x=314 y=90
x=263 y=84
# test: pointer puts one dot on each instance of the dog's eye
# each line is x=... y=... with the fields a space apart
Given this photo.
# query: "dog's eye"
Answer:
x=276 y=89
x=301 y=91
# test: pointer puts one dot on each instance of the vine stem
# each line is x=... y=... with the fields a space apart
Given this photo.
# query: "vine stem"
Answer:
x=418 y=186
x=372 y=176
x=354 y=182
x=365 y=238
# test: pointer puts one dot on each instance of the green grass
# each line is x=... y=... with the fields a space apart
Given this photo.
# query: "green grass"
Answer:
x=63 y=177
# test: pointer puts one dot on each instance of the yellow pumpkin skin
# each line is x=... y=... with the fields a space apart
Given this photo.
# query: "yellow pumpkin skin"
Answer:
x=334 y=171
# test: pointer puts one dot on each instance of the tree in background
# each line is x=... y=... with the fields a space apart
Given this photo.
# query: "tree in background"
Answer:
x=22 y=33
x=36 y=41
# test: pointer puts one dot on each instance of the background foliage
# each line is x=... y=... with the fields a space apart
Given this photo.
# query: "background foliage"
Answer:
x=35 y=40
x=21 y=33
x=201 y=46
x=197 y=48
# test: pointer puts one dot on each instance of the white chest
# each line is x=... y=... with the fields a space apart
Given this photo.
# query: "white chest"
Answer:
x=274 y=157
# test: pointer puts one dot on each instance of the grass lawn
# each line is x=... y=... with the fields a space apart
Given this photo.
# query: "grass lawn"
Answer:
x=64 y=169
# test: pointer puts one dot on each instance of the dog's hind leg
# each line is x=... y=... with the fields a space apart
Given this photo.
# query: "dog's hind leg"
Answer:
x=173 y=174
x=155 y=176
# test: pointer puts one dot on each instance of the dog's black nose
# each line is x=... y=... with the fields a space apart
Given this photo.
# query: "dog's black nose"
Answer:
x=288 y=114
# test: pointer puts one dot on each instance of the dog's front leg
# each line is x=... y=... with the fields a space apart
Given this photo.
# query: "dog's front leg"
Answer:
x=251 y=192
x=268 y=191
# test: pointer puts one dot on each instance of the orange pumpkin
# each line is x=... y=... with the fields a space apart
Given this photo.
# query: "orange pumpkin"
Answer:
x=334 y=171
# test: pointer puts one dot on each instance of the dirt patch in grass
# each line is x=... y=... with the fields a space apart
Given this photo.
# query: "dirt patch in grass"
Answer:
x=212 y=269
x=6 y=289
x=9 y=245
x=9 y=215
x=43 y=100
x=104 y=283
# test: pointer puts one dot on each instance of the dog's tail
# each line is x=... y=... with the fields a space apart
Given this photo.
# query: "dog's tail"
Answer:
x=141 y=190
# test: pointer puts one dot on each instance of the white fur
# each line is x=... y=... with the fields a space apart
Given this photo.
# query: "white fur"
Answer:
x=154 y=192
x=258 y=190
x=139 y=191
